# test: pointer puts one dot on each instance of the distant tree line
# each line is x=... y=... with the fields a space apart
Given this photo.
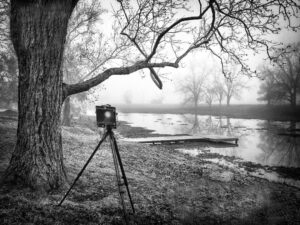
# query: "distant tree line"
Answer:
x=281 y=80
x=197 y=87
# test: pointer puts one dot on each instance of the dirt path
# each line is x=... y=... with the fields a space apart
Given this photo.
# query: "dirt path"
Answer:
x=168 y=187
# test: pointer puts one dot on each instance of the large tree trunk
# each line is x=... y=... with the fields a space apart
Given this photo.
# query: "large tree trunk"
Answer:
x=38 y=31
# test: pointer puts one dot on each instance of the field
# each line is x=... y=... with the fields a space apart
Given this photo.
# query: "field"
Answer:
x=279 y=112
x=168 y=187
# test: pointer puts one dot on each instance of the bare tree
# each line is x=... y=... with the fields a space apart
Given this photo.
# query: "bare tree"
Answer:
x=218 y=88
x=287 y=74
x=8 y=60
x=269 y=90
x=233 y=84
x=281 y=82
x=192 y=88
x=210 y=95
x=150 y=29
x=86 y=52
x=79 y=56
x=233 y=88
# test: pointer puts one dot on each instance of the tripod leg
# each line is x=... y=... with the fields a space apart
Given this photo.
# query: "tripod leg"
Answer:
x=114 y=142
x=83 y=168
x=118 y=177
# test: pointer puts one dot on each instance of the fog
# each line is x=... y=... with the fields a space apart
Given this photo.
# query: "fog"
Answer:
x=142 y=90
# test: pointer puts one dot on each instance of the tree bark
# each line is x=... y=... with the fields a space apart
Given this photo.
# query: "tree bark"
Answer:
x=38 y=31
x=67 y=112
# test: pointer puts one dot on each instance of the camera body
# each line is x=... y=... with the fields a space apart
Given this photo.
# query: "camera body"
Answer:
x=106 y=116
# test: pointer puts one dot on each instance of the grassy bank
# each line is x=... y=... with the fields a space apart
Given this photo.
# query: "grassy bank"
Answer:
x=283 y=113
x=167 y=187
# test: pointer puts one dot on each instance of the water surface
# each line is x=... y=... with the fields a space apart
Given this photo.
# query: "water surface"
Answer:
x=260 y=141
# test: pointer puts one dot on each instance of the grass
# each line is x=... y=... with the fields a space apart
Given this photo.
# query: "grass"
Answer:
x=167 y=187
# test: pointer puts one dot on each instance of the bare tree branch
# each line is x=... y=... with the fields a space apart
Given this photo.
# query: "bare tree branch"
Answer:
x=155 y=28
x=86 y=85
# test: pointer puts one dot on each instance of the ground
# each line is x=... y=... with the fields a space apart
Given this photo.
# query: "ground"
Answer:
x=167 y=187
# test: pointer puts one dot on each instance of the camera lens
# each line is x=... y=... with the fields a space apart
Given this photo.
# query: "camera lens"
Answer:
x=107 y=114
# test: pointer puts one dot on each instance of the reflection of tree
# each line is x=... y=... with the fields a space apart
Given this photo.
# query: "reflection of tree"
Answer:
x=280 y=149
x=209 y=125
x=196 y=127
x=226 y=127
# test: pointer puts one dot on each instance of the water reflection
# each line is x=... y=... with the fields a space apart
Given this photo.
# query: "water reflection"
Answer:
x=281 y=148
x=209 y=125
x=271 y=143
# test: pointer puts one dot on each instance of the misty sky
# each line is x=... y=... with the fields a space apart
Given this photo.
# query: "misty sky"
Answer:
x=140 y=88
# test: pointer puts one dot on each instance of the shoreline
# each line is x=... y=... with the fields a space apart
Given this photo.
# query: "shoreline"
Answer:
x=289 y=173
x=255 y=112
x=262 y=112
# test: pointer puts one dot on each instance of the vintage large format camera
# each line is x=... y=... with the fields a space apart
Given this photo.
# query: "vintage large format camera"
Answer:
x=106 y=116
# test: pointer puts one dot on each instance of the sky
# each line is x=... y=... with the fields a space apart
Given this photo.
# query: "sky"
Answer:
x=141 y=90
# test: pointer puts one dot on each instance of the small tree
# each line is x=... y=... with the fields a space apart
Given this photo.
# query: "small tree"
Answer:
x=218 y=89
x=82 y=58
x=192 y=88
x=233 y=84
x=287 y=73
x=269 y=90
x=281 y=82
x=233 y=89
x=210 y=95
